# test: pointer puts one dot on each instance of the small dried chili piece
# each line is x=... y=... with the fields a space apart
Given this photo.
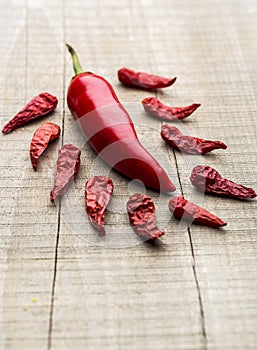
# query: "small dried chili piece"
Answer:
x=66 y=169
x=188 y=144
x=143 y=80
x=46 y=133
x=157 y=109
x=39 y=106
x=141 y=212
x=98 y=194
x=186 y=210
x=209 y=180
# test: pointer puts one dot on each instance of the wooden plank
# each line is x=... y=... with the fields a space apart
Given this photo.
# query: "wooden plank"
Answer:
x=121 y=298
x=32 y=64
x=218 y=70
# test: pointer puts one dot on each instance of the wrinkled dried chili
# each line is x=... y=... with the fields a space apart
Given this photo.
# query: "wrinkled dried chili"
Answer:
x=39 y=106
x=141 y=212
x=66 y=169
x=143 y=80
x=188 y=144
x=110 y=130
x=98 y=194
x=188 y=211
x=46 y=133
x=157 y=109
x=209 y=180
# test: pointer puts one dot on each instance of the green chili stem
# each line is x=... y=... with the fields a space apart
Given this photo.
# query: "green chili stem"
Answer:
x=75 y=60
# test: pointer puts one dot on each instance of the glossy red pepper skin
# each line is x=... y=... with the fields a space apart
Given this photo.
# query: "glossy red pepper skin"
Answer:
x=66 y=169
x=157 y=109
x=143 y=80
x=188 y=144
x=98 y=194
x=110 y=131
x=45 y=134
x=141 y=212
x=209 y=180
x=39 y=106
x=188 y=211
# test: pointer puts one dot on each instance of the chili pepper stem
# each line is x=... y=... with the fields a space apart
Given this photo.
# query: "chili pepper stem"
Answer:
x=75 y=60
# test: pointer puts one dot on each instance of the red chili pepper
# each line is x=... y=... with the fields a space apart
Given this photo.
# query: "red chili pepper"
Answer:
x=141 y=212
x=109 y=129
x=67 y=167
x=157 y=109
x=183 y=209
x=143 y=80
x=208 y=180
x=39 y=106
x=98 y=194
x=46 y=133
x=188 y=144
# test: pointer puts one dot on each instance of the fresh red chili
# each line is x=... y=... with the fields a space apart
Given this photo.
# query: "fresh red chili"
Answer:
x=66 y=169
x=188 y=144
x=141 y=212
x=209 y=180
x=143 y=80
x=39 y=106
x=98 y=194
x=110 y=130
x=46 y=133
x=157 y=109
x=188 y=211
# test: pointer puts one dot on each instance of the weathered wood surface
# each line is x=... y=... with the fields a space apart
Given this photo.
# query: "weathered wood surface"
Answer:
x=63 y=288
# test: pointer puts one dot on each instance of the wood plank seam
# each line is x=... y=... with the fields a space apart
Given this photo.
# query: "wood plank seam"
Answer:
x=50 y=328
x=200 y=300
x=54 y=280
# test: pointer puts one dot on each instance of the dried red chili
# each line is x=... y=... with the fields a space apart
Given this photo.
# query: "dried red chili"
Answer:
x=39 y=106
x=188 y=144
x=157 y=109
x=141 y=212
x=66 y=169
x=110 y=130
x=46 y=133
x=188 y=211
x=143 y=80
x=209 y=180
x=98 y=194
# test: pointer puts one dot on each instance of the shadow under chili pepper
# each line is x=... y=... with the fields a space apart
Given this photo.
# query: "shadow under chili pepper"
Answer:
x=225 y=197
x=176 y=121
x=211 y=230
x=153 y=244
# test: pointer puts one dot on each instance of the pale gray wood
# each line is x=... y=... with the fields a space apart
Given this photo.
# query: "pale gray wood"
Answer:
x=61 y=286
x=217 y=70
x=31 y=62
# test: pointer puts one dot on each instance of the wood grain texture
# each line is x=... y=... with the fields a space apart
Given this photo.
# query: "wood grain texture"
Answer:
x=61 y=286
x=32 y=63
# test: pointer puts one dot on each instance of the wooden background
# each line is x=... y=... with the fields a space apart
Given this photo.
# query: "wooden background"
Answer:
x=60 y=286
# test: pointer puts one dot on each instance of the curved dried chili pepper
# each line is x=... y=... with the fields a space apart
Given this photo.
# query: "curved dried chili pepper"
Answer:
x=157 y=109
x=98 y=194
x=110 y=130
x=188 y=144
x=66 y=169
x=39 y=106
x=46 y=133
x=141 y=212
x=143 y=80
x=186 y=210
x=209 y=180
